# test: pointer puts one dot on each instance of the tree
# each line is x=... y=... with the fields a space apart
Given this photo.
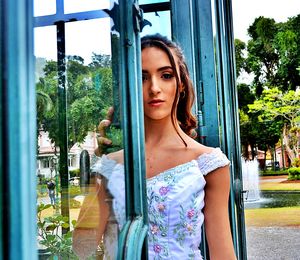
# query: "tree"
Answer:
x=274 y=105
x=100 y=61
x=87 y=98
x=273 y=53
x=262 y=57
x=247 y=125
x=286 y=43
x=240 y=60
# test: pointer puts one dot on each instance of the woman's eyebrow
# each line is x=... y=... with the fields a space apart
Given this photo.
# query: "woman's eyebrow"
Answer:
x=160 y=69
x=165 y=68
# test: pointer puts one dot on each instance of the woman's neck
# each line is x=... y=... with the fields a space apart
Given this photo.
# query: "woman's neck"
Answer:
x=159 y=132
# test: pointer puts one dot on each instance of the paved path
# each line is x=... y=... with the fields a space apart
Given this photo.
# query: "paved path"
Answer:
x=276 y=243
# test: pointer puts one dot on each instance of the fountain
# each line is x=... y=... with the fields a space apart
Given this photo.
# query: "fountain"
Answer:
x=250 y=180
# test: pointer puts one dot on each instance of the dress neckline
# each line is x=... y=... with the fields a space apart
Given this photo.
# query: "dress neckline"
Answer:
x=203 y=155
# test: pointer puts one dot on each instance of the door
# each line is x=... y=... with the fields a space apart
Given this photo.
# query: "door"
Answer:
x=72 y=92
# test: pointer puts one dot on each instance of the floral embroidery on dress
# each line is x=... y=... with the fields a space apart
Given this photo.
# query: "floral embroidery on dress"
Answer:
x=175 y=202
x=158 y=207
x=157 y=212
x=188 y=221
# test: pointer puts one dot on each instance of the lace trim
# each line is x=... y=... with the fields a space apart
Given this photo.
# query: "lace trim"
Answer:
x=104 y=166
x=209 y=162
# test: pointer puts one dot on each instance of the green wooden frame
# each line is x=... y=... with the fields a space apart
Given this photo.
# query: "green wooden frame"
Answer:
x=17 y=118
x=18 y=132
x=230 y=138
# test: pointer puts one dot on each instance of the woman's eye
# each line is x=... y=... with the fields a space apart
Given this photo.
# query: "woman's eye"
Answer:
x=144 y=77
x=167 y=76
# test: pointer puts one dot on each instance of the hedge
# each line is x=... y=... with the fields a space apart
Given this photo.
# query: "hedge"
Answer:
x=294 y=173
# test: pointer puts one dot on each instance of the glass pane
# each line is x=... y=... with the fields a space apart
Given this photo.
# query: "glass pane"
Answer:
x=47 y=51
x=48 y=187
x=73 y=6
x=96 y=196
x=88 y=41
x=44 y=7
x=141 y=2
x=160 y=23
x=99 y=207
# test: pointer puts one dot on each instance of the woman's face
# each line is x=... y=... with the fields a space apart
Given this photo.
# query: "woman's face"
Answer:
x=159 y=84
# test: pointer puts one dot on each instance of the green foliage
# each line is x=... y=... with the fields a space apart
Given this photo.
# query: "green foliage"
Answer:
x=42 y=190
x=273 y=173
x=273 y=53
x=262 y=57
x=74 y=173
x=74 y=191
x=296 y=162
x=50 y=236
x=240 y=59
x=74 y=204
x=100 y=61
x=283 y=108
x=274 y=103
x=115 y=135
x=294 y=173
x=89 y=95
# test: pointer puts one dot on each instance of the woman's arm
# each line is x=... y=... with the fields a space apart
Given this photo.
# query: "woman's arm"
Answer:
x=104 y=209
x=217 y=226
x=92 y=220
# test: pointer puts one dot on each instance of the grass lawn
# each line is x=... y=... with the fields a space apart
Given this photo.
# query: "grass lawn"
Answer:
x=267 y=217
x=278 y=183
x=279 y=186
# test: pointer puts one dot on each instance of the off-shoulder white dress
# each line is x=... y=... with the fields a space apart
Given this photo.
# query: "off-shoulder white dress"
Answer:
x=175 y=202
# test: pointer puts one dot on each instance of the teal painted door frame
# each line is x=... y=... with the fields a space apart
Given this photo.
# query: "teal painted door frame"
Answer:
x=18 y=128
x=216 y=106
x=18 y=132
x=230 y=138
x=133 y=127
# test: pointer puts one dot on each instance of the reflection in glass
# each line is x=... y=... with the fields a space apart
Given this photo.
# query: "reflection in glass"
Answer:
x=44 y=7
x=95 y=203
x=161 y=23
x=90 y=84
x=43 y=51
x=48 y=179
x=73 y=6
x=84 y=38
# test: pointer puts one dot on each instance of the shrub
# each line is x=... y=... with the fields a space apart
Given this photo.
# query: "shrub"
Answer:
x=296 y=162
x=50 y=236
x=74 y=191
x=74 y=173
x=294 y=173
x=74 y=204
x=273 y=173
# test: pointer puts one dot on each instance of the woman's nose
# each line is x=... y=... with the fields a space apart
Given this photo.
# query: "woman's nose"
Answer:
x=154 y=87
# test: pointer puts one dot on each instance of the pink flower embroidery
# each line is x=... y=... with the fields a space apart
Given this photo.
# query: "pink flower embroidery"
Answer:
x=154 y=229
x=157 y=248
x=161 y=207
x=163 y=190
x=189 y=227
x=191 y=213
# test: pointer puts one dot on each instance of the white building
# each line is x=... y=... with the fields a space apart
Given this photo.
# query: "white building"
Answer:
x=45 y=158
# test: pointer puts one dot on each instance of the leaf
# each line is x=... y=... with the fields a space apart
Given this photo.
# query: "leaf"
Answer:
x=65 y=225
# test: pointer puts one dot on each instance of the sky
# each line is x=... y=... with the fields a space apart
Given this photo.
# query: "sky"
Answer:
x=245 y=11
x=82 y=40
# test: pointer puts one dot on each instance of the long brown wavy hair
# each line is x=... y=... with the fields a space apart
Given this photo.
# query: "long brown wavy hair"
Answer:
x=185 y=96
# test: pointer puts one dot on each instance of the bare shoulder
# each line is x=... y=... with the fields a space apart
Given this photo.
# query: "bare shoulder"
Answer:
x=117 y=156
x=198 y=148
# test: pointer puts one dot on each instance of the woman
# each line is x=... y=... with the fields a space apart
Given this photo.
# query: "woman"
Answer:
x=187 y=182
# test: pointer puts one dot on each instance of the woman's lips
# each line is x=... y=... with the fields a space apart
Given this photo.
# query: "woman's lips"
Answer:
x=156 y=102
